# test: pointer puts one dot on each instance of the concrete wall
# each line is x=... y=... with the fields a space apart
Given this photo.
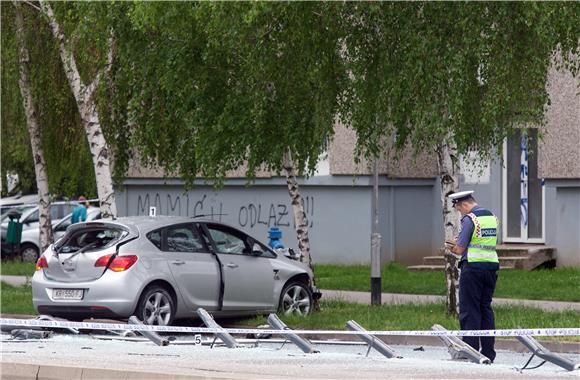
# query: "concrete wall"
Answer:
x=559 y=152
x=563 y=220
x=339 y=211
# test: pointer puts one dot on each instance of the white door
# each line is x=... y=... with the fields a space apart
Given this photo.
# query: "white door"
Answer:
x=522 y=189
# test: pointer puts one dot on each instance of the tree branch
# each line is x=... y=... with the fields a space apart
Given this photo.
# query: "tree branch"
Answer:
x=105 y=70
x=70 y=67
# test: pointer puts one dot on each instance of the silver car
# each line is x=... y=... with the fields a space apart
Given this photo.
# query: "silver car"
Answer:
x=164 y=268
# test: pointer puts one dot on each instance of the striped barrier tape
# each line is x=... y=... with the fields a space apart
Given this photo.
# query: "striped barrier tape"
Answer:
x=207 y=330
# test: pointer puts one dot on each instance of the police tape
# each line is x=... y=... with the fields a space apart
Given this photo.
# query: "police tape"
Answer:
x=207 y=330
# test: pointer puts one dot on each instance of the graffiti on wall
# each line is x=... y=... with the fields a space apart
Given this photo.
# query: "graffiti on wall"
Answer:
x=524 y=179
x=247 y=215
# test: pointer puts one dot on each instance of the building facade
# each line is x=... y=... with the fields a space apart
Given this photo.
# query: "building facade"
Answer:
x=533 y=187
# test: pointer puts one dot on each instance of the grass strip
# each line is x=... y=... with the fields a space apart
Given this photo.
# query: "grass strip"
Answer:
x=335 y=313
x=16 y=299
x=16 y=268
x=560 y=284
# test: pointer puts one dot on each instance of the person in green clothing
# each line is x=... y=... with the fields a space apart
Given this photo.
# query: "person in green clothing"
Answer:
x=79 y=213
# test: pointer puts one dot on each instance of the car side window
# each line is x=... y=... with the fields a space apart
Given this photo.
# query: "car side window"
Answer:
x=62 y=226
x=155 y=238
x=54 y=212
x=228 y=241
x=32 y=218
x=183 y=239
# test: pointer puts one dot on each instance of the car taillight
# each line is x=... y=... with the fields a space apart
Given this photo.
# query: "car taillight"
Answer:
x=119 y=263
x=41 y=263
x=103 y=261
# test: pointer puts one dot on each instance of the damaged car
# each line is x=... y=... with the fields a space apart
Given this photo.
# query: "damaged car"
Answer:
x=164 y=268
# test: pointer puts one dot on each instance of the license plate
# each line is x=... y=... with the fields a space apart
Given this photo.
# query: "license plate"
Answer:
x=67 y=294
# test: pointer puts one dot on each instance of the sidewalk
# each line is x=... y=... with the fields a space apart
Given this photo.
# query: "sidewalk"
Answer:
x=396 y=298
x=392 y=298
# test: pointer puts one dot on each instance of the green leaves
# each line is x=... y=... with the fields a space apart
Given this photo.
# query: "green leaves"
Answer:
x=64 y=143
x=210 y=86
x=477 y=70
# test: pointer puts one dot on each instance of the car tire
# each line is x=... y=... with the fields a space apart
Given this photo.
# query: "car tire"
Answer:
x=29 y=253
x=295 y=299
x=156 y=306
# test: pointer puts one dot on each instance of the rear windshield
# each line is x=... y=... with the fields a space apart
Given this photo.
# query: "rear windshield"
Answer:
x=90 y=239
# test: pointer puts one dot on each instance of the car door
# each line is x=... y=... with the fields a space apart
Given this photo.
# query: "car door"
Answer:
x=193 y=267
x=248 y=278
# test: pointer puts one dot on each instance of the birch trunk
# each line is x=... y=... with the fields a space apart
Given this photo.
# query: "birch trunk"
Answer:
x=448 y=164
x=300 y=219
x=298 y=208
x=84 y=96
x=33 y=124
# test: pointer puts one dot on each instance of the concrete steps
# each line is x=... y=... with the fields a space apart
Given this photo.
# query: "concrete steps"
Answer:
x=511 y=256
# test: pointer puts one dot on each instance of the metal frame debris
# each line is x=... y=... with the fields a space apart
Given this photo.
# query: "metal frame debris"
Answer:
x=151 y=335
x=540 y=351
x=302 y=343
x=372 y=341
x=459 y=349
x=225 y=337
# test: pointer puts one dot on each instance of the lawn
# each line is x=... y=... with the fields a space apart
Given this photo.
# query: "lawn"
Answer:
x=560 y=284
x=16 y=300
x=16 y=268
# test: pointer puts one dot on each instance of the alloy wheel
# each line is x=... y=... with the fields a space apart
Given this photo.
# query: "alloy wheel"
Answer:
x=296 y=300
x=157 y=310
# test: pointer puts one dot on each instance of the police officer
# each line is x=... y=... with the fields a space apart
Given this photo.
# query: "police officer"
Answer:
x=479 y=265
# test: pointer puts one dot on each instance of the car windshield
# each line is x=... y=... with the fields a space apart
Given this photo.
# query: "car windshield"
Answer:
x=90 y=239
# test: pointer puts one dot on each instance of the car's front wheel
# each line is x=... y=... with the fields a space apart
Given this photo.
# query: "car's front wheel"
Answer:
x=156 y=306
x=296 y=298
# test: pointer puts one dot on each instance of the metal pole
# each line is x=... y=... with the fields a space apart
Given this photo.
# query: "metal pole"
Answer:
x=302 y=343
x=372 y=340
x=545 y=354
x=151 y=335
x=376 y=242
x=228 y=340
x=459 y=349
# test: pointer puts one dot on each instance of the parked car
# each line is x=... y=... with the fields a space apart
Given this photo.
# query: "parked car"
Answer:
x=163 y=268
x=29 y=243
x=10 y=203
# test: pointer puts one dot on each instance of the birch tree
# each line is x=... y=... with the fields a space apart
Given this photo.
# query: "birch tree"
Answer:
x=450 y=78
x=234 y=84
x=34 y=130
x=84 y=95
x=64 y=144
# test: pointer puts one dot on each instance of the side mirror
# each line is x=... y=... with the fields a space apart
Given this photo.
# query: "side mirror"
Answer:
x=257 y=250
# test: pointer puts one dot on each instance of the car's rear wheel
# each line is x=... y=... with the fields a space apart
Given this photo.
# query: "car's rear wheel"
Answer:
x=156 y=306
x=296 y=298
x=29 y=253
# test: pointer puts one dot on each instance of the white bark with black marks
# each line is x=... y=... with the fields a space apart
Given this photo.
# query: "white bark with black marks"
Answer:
x=84 y=96
x=30 y=109
x=300 y=219
x=448 y=163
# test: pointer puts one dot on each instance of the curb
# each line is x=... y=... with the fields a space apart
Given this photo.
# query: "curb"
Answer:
x=21 y=371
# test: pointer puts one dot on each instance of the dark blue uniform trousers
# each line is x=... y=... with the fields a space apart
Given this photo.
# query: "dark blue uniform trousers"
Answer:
x=476 y=288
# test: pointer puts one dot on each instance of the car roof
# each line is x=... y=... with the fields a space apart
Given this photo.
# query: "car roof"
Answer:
x=143 y=224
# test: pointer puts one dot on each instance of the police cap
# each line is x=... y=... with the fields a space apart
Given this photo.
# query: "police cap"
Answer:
x=460 y=196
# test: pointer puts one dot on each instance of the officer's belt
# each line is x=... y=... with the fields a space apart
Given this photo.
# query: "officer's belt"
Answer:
x=486 y=247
